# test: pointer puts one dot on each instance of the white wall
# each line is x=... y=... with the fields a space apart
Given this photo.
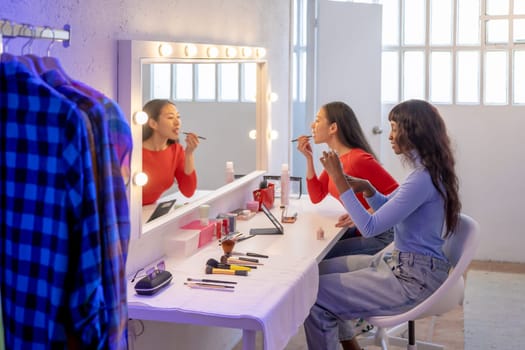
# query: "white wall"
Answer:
x=491 y=165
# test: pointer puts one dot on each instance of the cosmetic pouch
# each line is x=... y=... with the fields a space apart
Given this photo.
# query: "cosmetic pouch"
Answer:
x=151 y=285
x=265 y=195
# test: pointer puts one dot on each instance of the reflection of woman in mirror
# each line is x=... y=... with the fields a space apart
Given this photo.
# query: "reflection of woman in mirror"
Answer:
x=337 y=126
x=163 y=157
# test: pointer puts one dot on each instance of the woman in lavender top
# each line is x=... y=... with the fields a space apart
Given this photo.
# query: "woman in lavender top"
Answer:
x=424 y=210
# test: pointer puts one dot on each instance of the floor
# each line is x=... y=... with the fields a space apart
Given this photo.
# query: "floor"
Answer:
x=448 y=329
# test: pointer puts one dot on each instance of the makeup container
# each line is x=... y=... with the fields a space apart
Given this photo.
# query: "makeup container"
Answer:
x=232 y=222
x=206 y=232
x=204 y=212
x=228 y=222
x=320 y=233
x=252 y=206
x=225 y=226
x=230 y=173
x=218 y=229
x=285 y=185
x=245 y=215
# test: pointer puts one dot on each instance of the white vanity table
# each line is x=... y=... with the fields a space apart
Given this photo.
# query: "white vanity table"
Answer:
x=274 y=298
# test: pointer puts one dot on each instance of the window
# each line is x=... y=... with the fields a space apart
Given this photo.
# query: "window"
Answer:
x=249 y=82
x=454 y=51
x=228 y=82
x=224 y=82
x=161 y=80
x=300 y=51
x=205 y=81
x=183 y=81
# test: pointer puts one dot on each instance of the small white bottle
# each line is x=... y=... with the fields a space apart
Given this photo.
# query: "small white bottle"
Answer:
x=230 y=173
x=285 y=185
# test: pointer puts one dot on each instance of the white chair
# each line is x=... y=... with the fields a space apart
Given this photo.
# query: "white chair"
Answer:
x=459 y=249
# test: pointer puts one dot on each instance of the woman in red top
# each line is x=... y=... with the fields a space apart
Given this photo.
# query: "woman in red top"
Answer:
x=163 y=157
x=338 y=127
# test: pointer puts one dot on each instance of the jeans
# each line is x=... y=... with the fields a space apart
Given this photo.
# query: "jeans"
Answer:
x=353 y=244
x=360 y=286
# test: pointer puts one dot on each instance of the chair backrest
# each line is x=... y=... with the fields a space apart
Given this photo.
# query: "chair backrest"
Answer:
x=459 y=248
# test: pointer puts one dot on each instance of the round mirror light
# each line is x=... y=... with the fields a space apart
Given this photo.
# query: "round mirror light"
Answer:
x=190 y=50
x=231 y=52
x=140 y=117
x=140 y=179
x=247 y=51
x=261 y=52
x=213 y=52
x=165 y=50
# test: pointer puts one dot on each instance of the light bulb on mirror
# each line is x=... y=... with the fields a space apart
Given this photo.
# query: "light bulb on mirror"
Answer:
x=213 y=52
x=246 y=51
x=273 y=97
x=252 y=134
x=274 y=134
x=140 y=117
x=165 y=50
x=231 y=52
x=190 y=50
x=261 y=52
x=140 y=179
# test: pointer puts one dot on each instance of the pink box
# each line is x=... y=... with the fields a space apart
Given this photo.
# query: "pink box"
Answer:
x=207 y=232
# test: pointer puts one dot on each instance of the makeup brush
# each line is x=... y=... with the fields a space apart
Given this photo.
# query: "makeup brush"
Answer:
x=297 y=139
x=225 y=259
x=212 y=270
x=215 y=263
x=205 y=280
x=199 y=137
x=210 y=286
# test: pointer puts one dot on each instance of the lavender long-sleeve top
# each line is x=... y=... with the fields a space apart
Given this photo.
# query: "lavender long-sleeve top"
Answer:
x=415 y=210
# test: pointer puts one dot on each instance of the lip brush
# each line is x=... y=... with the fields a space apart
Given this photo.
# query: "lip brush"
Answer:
x=206 y=280
x=200 y=137
x=297 y=139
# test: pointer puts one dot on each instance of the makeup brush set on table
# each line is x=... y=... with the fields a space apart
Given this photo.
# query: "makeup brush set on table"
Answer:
x=231 y=263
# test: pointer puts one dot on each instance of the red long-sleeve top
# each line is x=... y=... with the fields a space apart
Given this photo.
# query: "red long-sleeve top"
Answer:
x=357 y=163
x=162 y=167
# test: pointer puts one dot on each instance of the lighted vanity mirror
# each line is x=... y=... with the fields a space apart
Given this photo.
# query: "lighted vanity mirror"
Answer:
x=199 y=79
x=217 y=101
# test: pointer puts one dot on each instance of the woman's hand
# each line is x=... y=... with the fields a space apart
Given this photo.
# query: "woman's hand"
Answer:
x=360 y=185
x=343 y=182
x=334 y=169
x=332 y=165
x=192 y=141
x=345 y=221
x=304 y=146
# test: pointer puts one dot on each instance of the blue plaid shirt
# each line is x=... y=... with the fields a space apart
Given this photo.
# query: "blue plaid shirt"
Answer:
x=112 y=204
x=50 y=251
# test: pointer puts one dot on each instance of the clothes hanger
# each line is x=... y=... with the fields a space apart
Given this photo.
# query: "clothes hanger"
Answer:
x=50 y=62
x=37 y=60
x=6 y=56
x=23 y=59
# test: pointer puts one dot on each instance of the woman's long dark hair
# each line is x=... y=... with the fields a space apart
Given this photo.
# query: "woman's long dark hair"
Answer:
x=421 y=127
x=153 y=109
x=348 y=129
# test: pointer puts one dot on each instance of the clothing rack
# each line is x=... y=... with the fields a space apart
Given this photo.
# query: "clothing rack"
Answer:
x=10 y=29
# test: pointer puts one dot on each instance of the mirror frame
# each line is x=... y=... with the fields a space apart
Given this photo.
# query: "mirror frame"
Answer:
x=131 y=55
